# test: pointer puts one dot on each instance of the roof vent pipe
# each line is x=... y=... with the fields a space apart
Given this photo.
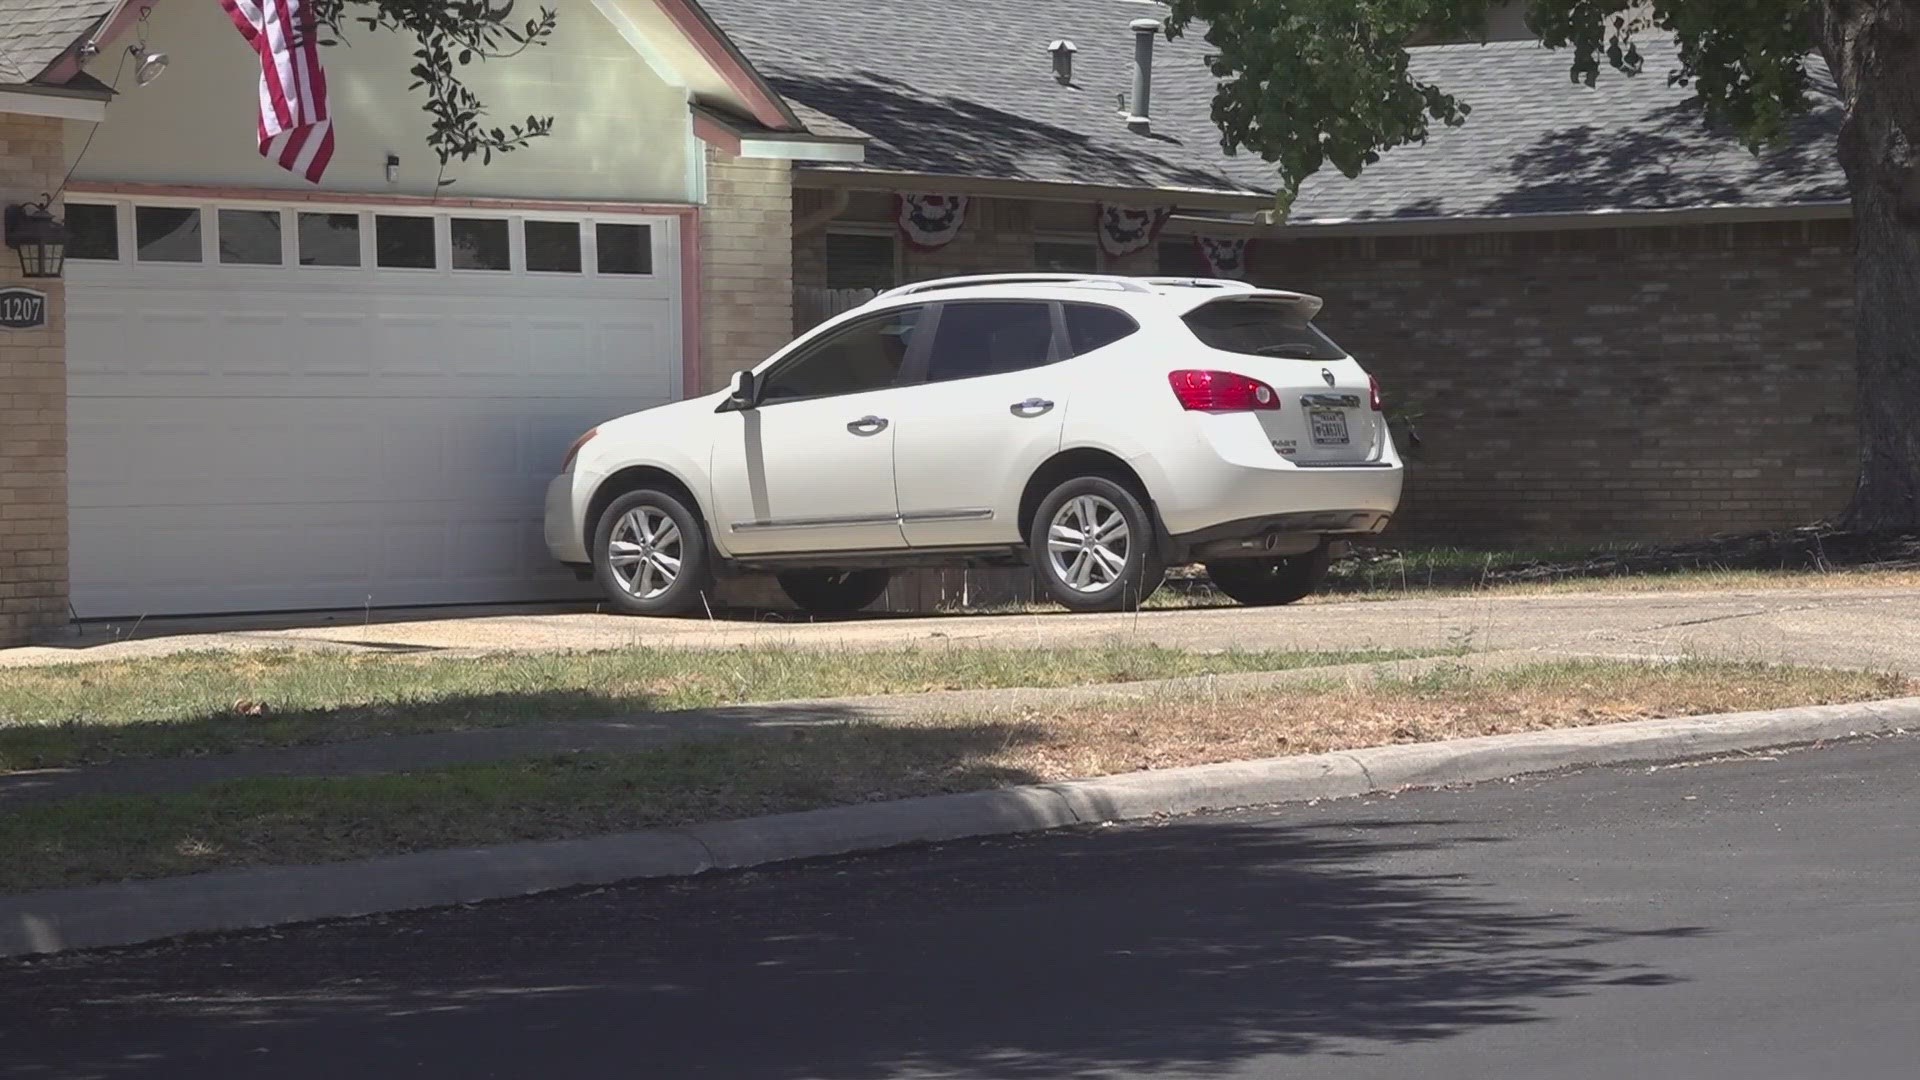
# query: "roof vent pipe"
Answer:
x=1063 y=61
x=1144 y=31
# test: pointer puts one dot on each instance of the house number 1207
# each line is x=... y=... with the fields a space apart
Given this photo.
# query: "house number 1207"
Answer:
x=22 y=309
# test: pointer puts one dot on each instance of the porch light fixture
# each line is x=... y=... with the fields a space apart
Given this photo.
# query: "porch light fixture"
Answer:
x=39 y=238
x=149 y=63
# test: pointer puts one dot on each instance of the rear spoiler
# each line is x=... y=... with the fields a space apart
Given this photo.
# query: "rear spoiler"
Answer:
x=1305 y=304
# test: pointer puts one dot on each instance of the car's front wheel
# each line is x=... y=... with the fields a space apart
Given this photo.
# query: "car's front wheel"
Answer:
x=650 y=555
x=1270 y=582
x=834 y=592
x=1093 y=546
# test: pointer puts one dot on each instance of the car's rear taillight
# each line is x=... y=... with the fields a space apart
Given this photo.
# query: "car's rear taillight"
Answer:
x=1373 y=391
x=1221 y=391
x=574 y=450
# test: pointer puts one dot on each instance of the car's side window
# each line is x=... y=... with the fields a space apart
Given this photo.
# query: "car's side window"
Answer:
x=1096 y=326
x=866 y=355
x=991 y=337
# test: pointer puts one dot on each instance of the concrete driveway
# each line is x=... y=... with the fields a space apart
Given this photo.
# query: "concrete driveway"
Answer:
x=1877 y=629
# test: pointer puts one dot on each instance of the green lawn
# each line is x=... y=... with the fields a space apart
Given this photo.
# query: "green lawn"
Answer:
x=217 y=702
x=279 y=821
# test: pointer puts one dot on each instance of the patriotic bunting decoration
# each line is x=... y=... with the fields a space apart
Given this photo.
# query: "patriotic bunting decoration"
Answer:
x=1125 y=229
x=930 y=222
x=295 y=129
x=1225 y=257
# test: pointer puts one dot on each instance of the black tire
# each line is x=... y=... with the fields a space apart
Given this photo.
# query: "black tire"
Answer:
x=691 y=586
x=1271 y=582
x=834 y=592
x=1141 y=570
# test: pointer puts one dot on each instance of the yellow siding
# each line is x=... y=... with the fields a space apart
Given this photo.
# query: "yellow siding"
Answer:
x=622 y=133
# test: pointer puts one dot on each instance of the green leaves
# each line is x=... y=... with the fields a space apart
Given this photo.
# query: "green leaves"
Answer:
x=1311 y=83
x=451 y=35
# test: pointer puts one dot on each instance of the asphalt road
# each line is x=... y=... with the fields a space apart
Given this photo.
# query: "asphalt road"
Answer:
x=1757 y=918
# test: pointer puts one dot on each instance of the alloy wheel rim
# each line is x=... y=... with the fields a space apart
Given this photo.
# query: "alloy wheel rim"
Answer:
x=1087 y=543
x=645 y=552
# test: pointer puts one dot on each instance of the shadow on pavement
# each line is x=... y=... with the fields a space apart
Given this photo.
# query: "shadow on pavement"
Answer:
x=1188 y=949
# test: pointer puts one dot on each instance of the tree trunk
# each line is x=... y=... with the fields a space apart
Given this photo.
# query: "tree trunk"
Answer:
x=1874 y=50
x=1887 y=331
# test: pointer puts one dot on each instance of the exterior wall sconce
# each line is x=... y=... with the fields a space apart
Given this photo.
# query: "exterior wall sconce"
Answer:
x=39 y=238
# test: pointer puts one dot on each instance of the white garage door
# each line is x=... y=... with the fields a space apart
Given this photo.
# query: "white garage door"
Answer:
x=283 y=408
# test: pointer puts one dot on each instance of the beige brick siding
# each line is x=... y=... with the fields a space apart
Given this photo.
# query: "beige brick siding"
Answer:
x=1607 y=384
x=33 y=410
x=746 y=241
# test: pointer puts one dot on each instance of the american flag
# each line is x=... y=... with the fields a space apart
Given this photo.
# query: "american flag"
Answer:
x=296 y=130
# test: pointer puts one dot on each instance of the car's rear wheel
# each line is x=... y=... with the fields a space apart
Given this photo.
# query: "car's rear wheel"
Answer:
x=1093 y=546
x=834 y=592
x=1271 y=582
x=650 y=555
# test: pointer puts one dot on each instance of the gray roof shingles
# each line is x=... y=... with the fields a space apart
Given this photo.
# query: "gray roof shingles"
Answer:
x=968 y=90
x=1536 y=143
x=33 y=33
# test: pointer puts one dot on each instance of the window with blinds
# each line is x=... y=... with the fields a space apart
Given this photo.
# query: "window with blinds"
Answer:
x=1180 y=257
x=861 y=260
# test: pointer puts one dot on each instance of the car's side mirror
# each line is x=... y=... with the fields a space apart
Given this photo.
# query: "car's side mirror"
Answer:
x=740 y=390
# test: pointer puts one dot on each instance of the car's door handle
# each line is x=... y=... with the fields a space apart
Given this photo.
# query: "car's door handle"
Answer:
x=1033 y=406
x=868 y=425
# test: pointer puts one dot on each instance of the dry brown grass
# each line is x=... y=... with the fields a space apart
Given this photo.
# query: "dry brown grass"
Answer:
x=1452 y=702
x=277 y=821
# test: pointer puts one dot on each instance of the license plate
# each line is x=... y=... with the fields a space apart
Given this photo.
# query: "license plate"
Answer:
x=1329 y=427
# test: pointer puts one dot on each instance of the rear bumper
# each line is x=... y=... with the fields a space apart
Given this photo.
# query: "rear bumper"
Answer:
x=565 y=522
x=1227 y=500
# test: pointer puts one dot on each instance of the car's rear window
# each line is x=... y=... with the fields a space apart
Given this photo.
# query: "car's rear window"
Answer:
x=1261 y=328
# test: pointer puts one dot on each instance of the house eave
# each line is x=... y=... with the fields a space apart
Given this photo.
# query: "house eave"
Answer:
x=1712 y=214
x=869 y=179
x=745 y=139
x=88 y=106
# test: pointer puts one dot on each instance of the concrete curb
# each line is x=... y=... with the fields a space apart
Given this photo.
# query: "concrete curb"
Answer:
x=134 y=912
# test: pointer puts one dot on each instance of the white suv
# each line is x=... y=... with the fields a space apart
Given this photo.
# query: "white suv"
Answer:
x=1099 y=429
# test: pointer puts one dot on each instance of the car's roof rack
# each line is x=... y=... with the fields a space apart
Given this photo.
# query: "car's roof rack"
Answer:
x=1107 y=281
x=1227 y=284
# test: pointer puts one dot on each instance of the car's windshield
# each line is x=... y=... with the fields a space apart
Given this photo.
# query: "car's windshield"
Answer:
x=1261 y=328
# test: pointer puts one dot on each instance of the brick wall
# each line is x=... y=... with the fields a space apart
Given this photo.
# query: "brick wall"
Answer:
x=33 y=410
x=746 y=264
x=1607 y=384
x=1576 y=386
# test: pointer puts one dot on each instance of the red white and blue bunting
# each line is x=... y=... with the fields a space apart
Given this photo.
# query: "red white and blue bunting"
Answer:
x=1126 y=229
x=1226 y=257
x=930 y=222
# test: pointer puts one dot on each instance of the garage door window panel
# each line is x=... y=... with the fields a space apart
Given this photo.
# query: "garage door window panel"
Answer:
x=481 y=244
x=167 y=234
x=624 y=250
x=868 y=355
x=405 y=242
x=553 y=247
x=329 y=240
x=93 y=232
x=251 y=238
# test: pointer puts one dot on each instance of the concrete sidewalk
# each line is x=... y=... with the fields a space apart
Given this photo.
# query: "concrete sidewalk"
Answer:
x=1877 y=629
